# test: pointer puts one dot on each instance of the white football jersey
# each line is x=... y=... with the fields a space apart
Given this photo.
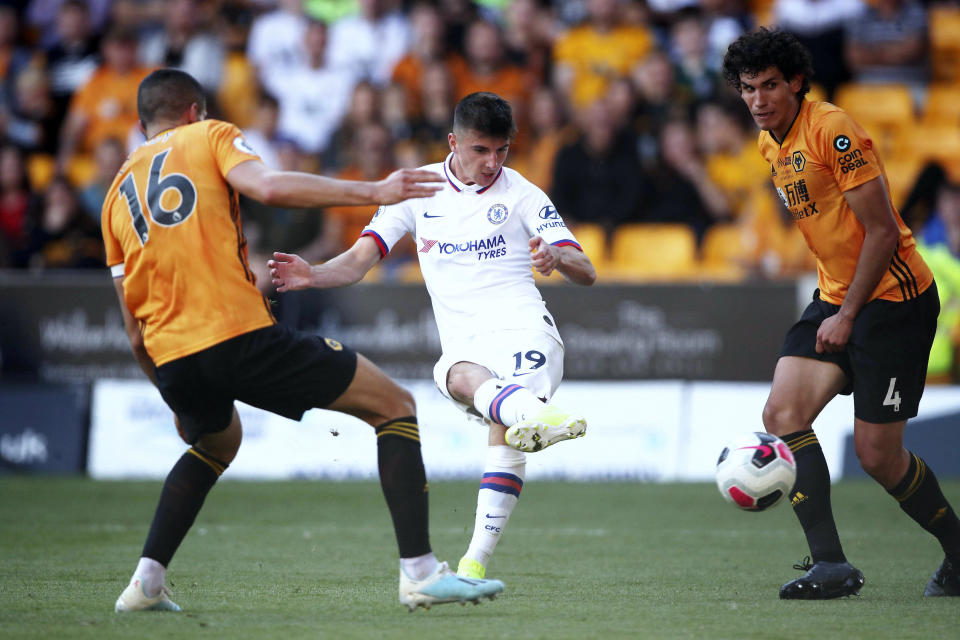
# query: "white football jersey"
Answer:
x=473 y=247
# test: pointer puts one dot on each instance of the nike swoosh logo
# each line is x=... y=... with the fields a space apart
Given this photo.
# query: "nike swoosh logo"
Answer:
x=517 y=375
x=427 y=215
x=763 y=449
x=492 y=517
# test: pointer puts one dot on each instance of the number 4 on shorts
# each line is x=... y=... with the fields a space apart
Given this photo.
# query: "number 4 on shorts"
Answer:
x=893 y=396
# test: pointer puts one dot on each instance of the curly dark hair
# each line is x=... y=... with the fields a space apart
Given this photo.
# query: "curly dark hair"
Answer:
x=753 y=52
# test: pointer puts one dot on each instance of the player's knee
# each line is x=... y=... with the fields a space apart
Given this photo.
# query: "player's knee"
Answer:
x=459 y=386
x=399 y=405
x=408 y=406
x=223 y=448
x=877 y=461
x=780 y=419
x=223 y=445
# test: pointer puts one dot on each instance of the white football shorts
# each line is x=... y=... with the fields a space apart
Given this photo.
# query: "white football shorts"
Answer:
x=532 y=359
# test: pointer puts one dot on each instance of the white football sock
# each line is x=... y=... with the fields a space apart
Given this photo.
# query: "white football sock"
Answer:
x=152 y=575
x=498 y=496
x=419 y=567
x=505 y=403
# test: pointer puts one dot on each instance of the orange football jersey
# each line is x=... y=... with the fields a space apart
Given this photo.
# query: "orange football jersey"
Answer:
x=825 y=153
x=171 y=226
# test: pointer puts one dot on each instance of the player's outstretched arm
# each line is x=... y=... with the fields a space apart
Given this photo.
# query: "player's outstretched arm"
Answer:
x=290 y=272
x=572 y=263
x=298 y=189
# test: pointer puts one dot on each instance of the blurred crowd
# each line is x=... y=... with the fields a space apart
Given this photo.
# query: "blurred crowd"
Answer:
x=624 y=119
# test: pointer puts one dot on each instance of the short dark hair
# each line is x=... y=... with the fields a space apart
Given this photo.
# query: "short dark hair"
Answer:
x=166 y=93
x=487 y=114
x=753 y=52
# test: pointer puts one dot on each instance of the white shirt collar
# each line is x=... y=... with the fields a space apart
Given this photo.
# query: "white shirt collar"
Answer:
x=460 y=186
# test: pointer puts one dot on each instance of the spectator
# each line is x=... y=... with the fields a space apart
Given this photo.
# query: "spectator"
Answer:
x=588 y=57
x=458 y=15
x=487 y=69
x=659 y=100
x=364 y=109
x=108 y=157
x=529 y=35
x=621 y=100
x=819 y=25
x=920 y=202
x=313 y=96
x=15 y=205
x=371 y=160
x=43 y=16
x=262 y=135
x=690 y=50
x=683 y=190
x=30 y=119
x=598 y=177
x=63 y=237
x=942 y=228
x=725 y=20
x=548 y=133
x=429 y=46
x=136 y=15
x=104 y=107
x=940 y=248
x=731 y=158
x=372 y=42
x=431 y=129
x=276 y=40
x=888 y=43
x=266 y=228
x=16 y=57
x=772 y=244
x=394 y=112
x=185 y=43
x=74 y=57
x=239 y=90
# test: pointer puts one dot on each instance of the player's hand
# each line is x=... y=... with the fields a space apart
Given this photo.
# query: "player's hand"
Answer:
x=408 y=183
x=289 y=271
x=545 y=256
x=833 y=334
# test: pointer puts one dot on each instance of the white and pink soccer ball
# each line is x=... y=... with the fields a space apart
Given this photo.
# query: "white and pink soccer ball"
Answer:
x=755 y=471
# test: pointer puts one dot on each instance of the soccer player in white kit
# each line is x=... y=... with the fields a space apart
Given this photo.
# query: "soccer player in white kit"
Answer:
x=477 y=239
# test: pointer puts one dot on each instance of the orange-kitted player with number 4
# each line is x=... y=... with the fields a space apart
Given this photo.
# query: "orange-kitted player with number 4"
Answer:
x=870 y=325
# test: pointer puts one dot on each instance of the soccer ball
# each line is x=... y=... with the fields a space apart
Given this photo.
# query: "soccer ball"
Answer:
x=755 y=471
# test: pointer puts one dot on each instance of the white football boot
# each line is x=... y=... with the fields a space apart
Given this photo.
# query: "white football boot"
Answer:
x=443 y=586
x=134 y=598
x=548 y=426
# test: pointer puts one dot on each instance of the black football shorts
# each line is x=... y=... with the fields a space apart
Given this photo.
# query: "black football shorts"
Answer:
x=886 y=356
x=275 y=368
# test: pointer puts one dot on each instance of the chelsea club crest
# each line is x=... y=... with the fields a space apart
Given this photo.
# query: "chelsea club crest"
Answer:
x=497 y=214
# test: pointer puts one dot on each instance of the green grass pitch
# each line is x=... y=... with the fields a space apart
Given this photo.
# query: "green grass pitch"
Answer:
x=318 y=560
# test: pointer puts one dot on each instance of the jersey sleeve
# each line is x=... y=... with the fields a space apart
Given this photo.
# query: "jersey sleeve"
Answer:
x=228 y=146
x=114 y=252
x=542 y=219
x=847 y=150
x=389 y=224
